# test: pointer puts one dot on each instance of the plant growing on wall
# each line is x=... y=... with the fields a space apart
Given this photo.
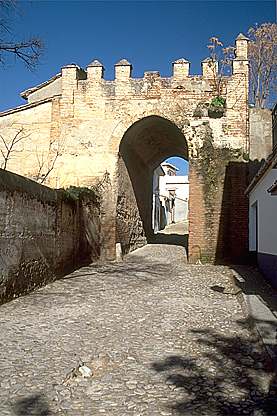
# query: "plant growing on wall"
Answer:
x=219 y=61
x=9 y=144
x=217 y=107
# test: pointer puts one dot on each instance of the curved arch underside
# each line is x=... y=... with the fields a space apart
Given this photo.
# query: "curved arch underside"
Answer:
x=153 y=139
x=146 y=144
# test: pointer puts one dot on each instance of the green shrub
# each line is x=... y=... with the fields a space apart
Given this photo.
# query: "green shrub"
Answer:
x=218 y=102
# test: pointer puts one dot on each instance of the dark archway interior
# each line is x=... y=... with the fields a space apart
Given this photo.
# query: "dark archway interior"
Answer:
x=144 y=146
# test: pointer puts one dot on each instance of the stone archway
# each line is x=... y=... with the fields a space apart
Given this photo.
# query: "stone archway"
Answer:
x=143 y=147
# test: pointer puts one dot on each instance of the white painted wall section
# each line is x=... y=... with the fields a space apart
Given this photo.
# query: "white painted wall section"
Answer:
x=178 y=183
x=266 y=216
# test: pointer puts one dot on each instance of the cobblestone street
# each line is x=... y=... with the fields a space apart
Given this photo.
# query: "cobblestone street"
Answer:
x=160 y=336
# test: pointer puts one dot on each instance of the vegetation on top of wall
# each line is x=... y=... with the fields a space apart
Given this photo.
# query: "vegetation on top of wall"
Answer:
x=213 y=109
x=94 y=192
x=216 y=107
x=74 y=193
x=218 y=102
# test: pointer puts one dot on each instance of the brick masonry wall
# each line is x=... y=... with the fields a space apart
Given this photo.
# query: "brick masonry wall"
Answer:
x=218 y=231
x=197 y=221
x=233 y=228
x=43 y=234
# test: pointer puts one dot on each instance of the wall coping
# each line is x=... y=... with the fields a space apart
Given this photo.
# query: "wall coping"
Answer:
x=27 y=106
x=26 y=93
x=13 y=182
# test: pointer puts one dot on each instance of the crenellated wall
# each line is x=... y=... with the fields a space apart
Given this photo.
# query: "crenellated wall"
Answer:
x=75 y=130
x=77 y=119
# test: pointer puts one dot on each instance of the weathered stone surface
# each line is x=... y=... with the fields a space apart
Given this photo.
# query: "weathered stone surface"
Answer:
x=166 y=253
x=84 y=130
x=43 y=234
x=260 y=137
x=159 y=338
x=129 y=226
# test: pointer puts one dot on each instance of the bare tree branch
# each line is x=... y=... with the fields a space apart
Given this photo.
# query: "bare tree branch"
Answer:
x=28 y=51
x=220 y=62
x=10 y=146
x=262 y=51
x=51 y=167
x=47 y=164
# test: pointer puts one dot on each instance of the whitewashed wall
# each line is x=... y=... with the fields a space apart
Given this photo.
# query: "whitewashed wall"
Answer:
x=179 y=183
x=181 y=210
x=157 y=174
x=266 y=216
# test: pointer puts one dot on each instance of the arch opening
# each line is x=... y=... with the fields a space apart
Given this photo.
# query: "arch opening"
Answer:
x=144 y=146
x=171 y=201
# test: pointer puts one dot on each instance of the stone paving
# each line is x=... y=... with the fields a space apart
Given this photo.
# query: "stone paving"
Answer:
x=160 y=336
x=180 y=228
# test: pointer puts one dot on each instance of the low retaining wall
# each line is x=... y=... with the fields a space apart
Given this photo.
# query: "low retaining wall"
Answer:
x=44 y=233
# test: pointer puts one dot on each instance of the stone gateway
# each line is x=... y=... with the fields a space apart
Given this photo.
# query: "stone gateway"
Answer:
x=78 y=128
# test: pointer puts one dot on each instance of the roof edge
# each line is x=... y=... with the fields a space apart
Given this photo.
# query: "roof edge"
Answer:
x=272 y=188
x=271 y=161
x=25 y=94
x=27 y=106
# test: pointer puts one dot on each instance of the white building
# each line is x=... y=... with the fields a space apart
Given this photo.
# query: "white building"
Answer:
x=262 y=193
x=170 y=196
x=156 y=204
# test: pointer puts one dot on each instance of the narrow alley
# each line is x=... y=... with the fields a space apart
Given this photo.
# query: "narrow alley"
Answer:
x=153 y=335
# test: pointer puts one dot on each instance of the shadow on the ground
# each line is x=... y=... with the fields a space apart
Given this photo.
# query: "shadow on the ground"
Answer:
x=251 y=282
x=34 y=405
x=137 y=267
x=171 y=239
x=224 y=380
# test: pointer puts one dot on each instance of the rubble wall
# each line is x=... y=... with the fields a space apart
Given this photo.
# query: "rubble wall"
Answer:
x=44 y=233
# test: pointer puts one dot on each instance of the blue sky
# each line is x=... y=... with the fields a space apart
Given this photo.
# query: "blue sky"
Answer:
x=150 y=34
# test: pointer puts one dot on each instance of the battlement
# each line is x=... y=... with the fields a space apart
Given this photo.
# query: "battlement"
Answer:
x=73 y=78
x=123 y=70
x=180 y=67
